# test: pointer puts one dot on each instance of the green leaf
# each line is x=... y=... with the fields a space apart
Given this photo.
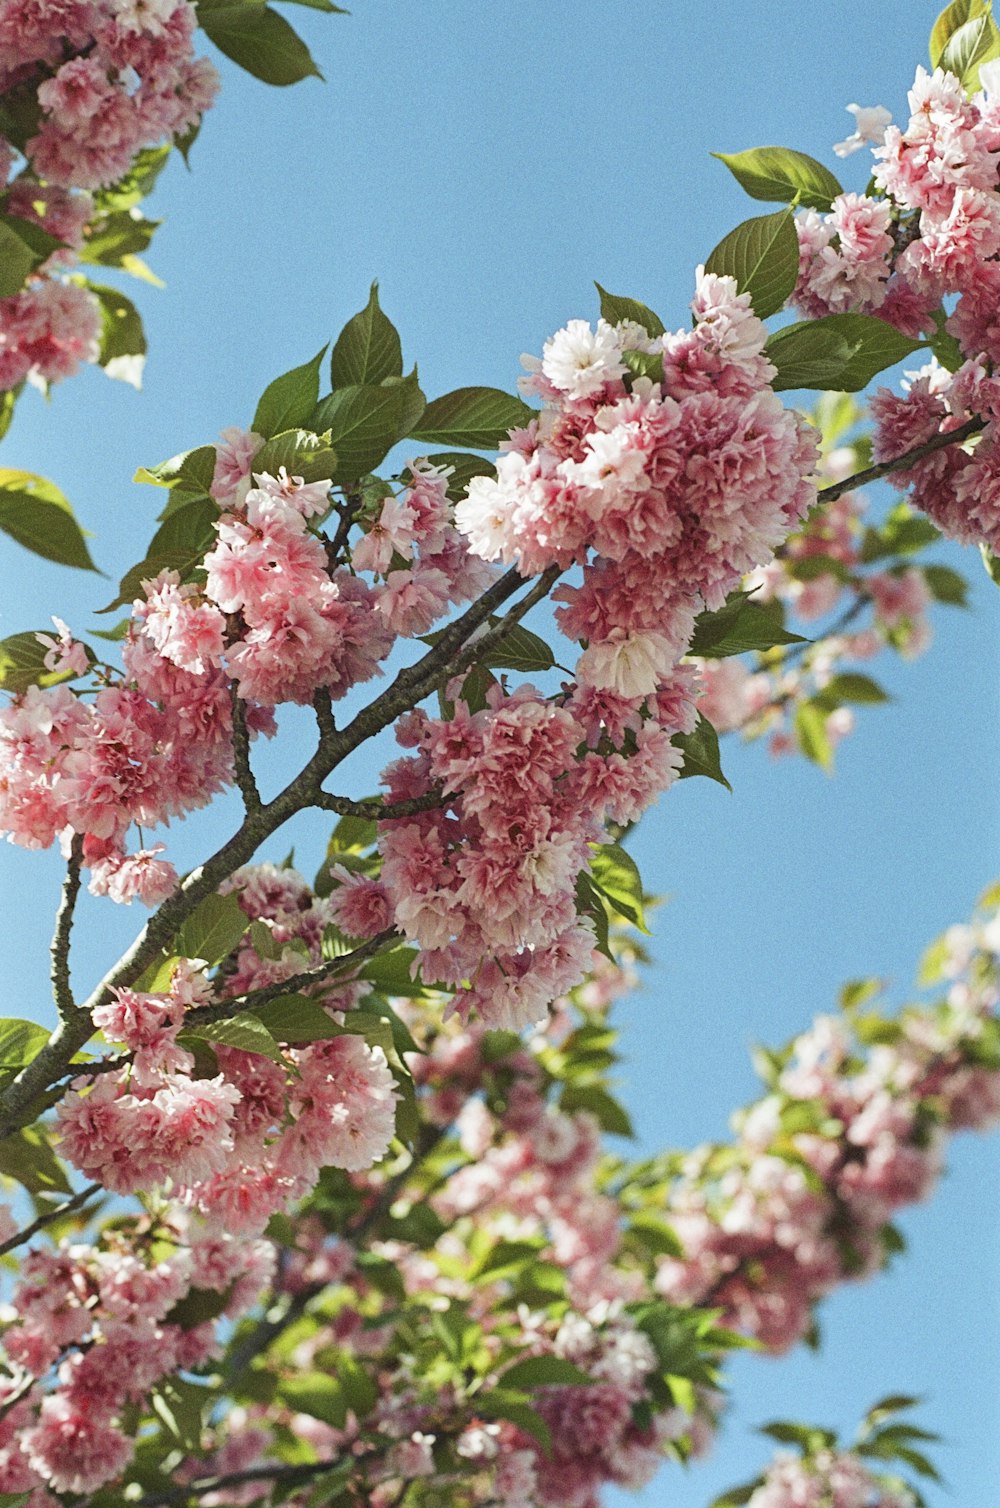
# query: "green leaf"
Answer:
x=35 y=513
x=212 y=930
x=806 y=1436
x=136 y=184
x=610 y=1115
x=390 y=973
x=464 y=468
x=288 y=401
x=476 y=417
x=701 y=753
x=946 y=585
x=122 y=336
x=892 y=1403
x=368 y=348
x=782 y=174
x=297 y=1019
x=505 y=1403
x=24 y=246
x=839 y=352
x=190 y=472
x=741 y=625
x=948 y=23
x=763 y=256
x=27 y=1157
x=519 y=649
x=972 y=40
x=617 y=310
x=991 y=563
x=656 y=1235
x=317 y=1394
x=22 y=664
x=366 y=421
x=246 y=1032
x=258 y=39
x=188 y=527
x=506 y=1256
x=301 y=452
x=14 y=1499
x=903 y=532
x=645 y=364
x=198 y=1307
x=850 y=688
x=737 y=1496
x=616 y=875
x=8 y=402
x=180 y=1406
x=543 y=1372
x=20 y=1042
x=813 y=739
x=944 y=346
x=110 y=240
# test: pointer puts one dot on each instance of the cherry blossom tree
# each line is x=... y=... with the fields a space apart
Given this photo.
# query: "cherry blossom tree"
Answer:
x=309 y=1192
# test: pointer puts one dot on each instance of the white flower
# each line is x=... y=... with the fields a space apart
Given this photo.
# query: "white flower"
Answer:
x=579 y=360
x=870 y=122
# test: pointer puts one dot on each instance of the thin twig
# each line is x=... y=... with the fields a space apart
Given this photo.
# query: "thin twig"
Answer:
x=223 y=1010
x=903 y=462
x=267 y=1472
x=19 y=1238
x=242 y=772
x=61 y=989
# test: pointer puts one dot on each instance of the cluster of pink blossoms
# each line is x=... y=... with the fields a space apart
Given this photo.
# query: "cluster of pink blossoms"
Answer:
x=105 y=78
x=666 y=491
x=936 y=229
x=528 y=1172
x=241 y=1145
x=959 y=485
x=830 y=1479
x=845 y=1139
x=97 y=1327
x=273 y=620
x=485 y=883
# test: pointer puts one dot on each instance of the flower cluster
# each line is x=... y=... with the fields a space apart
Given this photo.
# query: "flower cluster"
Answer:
x=935 y=230
x=845 y=1138
x=678 y=482
x=94 y=84
x=106 y=1322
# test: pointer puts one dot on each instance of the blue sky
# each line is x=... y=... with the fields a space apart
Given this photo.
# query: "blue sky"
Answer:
x=486 y=164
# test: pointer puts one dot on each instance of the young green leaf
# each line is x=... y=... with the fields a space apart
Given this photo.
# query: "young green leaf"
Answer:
x=123 y=341
x=258 y=40
x=22 y=664
x=700 y=748
x=763 y=256
x=616 y=875
x=213 y=929
x=368 y=349
x=288 y=401
x=617 y=310
x=839 y=352
x=246 y=1032
x=476 y=417
x=365 y=421
x=740 y=625
x=779 y=173
x=35 y=513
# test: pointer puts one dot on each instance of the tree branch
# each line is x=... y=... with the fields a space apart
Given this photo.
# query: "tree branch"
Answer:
x=19 y=1237
x=410 y=686
x=242 y=772
x=222 y=1010
x=61 y=989
x=377 y=810
x=903 y=462
x=267 y=1471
